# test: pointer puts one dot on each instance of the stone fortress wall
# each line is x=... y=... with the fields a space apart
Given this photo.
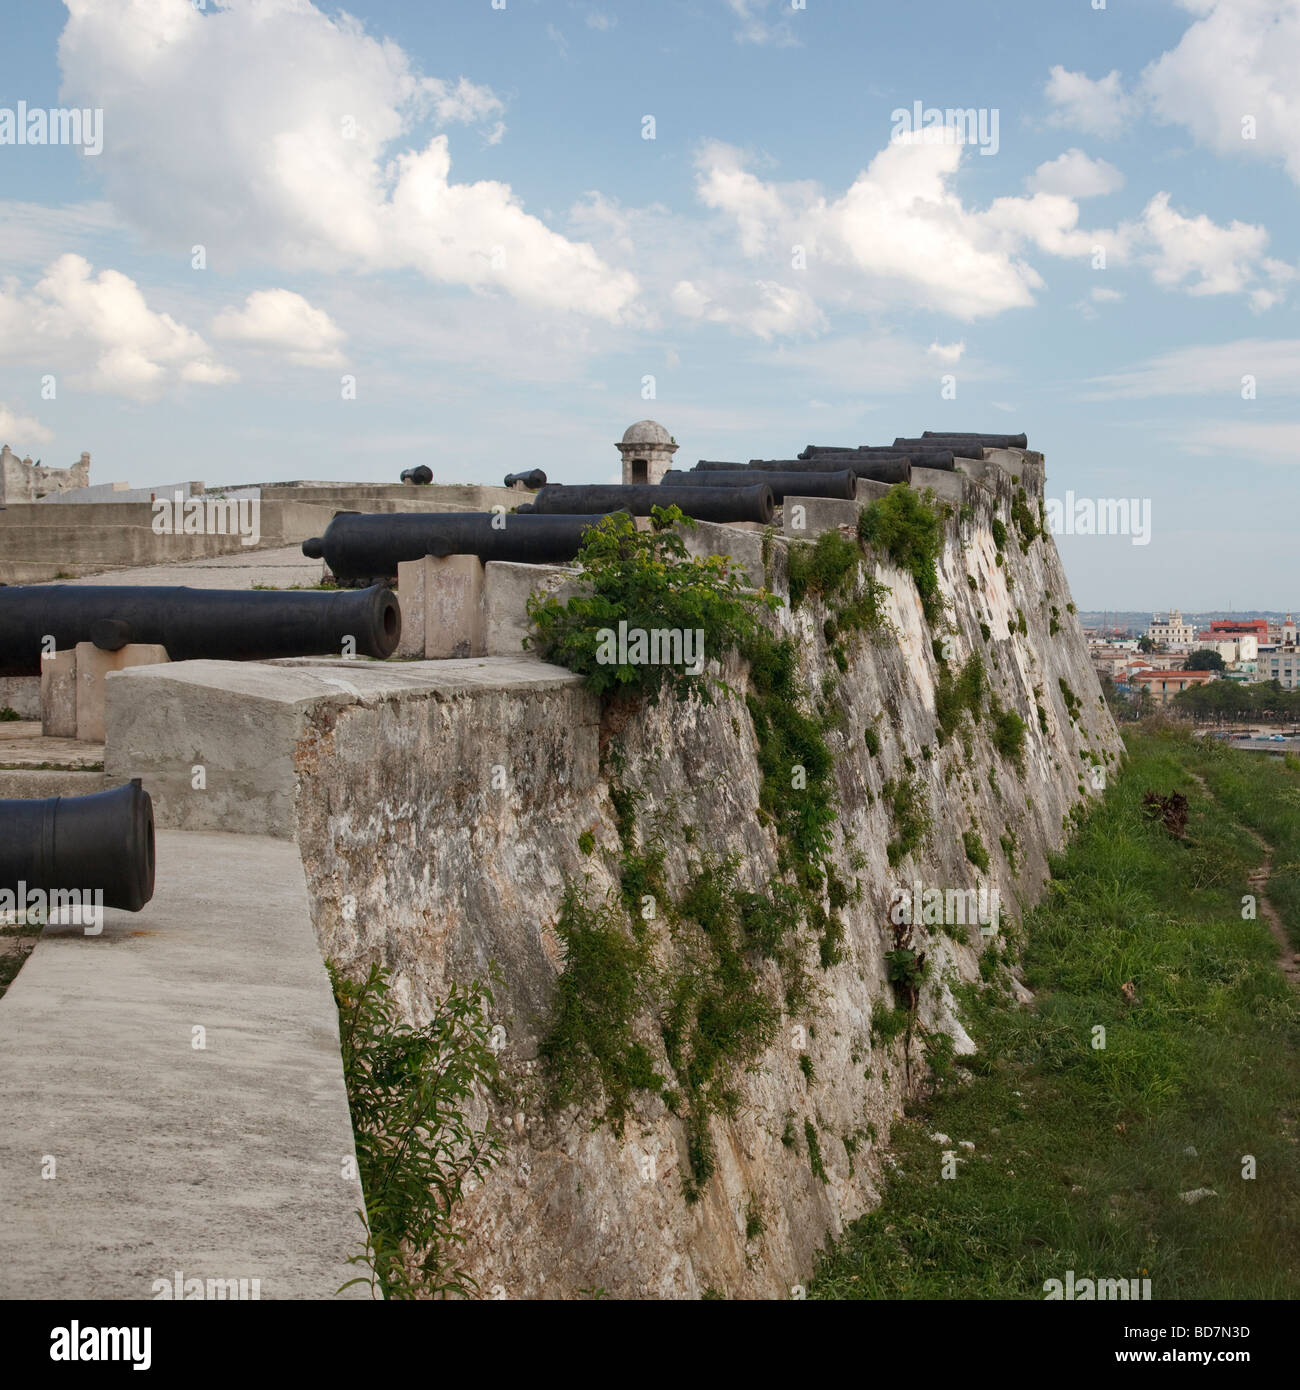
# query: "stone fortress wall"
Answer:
x=437 y=808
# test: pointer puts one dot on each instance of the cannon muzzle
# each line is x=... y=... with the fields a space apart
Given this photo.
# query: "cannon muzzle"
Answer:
x=421 y=474
x=97 y=844
x=751 y=503
x=532 y=479
x=217 y=624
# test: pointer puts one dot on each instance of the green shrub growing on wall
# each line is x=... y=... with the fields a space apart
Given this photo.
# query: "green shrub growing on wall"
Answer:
x=908 y=527
x=408 y=1091
x=906 y=799
x=1008 y=733
x=975 y=850
x=955 y=695
x=590 y=1053
x=649 y=581
x=1026 y=522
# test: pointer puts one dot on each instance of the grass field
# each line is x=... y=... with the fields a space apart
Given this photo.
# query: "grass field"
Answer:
x=1081 y=1153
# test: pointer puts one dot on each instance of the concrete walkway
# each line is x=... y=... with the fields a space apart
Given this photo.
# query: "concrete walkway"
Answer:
x=280 y=568
x=224 y=1162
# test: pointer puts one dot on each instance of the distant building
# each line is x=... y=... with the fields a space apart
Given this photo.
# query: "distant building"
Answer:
x=21 y=480
x=1164 y=685
x=1281 y=664
x=1171 y=629
x=1242 y=647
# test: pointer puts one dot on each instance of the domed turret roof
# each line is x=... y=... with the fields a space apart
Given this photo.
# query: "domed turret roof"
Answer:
x=646 y=432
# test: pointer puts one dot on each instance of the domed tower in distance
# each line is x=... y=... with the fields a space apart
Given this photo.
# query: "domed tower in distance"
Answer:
x=647 y=449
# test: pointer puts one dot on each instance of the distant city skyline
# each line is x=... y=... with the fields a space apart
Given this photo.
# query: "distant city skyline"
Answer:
x=287 y=242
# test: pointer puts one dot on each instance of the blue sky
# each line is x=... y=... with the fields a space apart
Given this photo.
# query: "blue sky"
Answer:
x=454 y=206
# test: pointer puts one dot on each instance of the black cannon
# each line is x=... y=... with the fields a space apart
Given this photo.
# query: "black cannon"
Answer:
x=808 y=482
x=810 y=451
x=421 y=474
x=372 y=546
x=219 y=624
x=959 y=442
x=896 y=470
x=752 y=503
x=532 y=480
x=932 y=455
x=711 y=465
x=102 y=843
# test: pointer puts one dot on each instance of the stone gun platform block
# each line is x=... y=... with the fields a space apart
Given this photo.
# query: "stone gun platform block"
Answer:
x=72 y=687
x=950 y=486
x=442 y=601
x=93 y=666
x=805 y=518
x=59 y=695
x=871 y=491
x=506 y=590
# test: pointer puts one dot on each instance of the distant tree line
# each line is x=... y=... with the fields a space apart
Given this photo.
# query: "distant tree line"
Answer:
x=1221 y=702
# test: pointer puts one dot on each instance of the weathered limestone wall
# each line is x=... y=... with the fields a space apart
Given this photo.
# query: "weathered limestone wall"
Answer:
x=39 y=543
x=438 y=834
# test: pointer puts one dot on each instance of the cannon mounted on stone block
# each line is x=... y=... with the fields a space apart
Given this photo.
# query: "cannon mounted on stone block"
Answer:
x=193 y=624
x=533 y=479
x=810 y=482
x=960 y=443
x=101 y=844
x=750 y=503
x=357 y=545
x=876 y=470
x=931 y=455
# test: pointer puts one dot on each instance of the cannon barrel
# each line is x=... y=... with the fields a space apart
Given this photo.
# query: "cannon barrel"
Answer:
x=808 y=482
x=895 y=470
x=533 y=479
x=752 y=503
x=714 y=466
x=931 y=455
x=421 y=474
x=357 y=546
x=959 y=442
x=810 y=451
x=989 y=441
x=218 y=624
x=102 y=843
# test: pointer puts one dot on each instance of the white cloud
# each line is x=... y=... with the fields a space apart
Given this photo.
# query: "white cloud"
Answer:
x=292 y=143
x=756 y=28
x=899 y=237
x=1215 y=259
x=284 y=321
x=1209 y=370
x=947 y=352
x=1099 y=107
x=1259 y=441
x=1238 y=60
x=779 y=310
x=1074 y=175
x=599 y=21
x=21 y=431
x=101 y=331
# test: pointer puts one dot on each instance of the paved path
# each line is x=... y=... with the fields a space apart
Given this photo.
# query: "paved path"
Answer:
x=281 y=568
x=225 y=1162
